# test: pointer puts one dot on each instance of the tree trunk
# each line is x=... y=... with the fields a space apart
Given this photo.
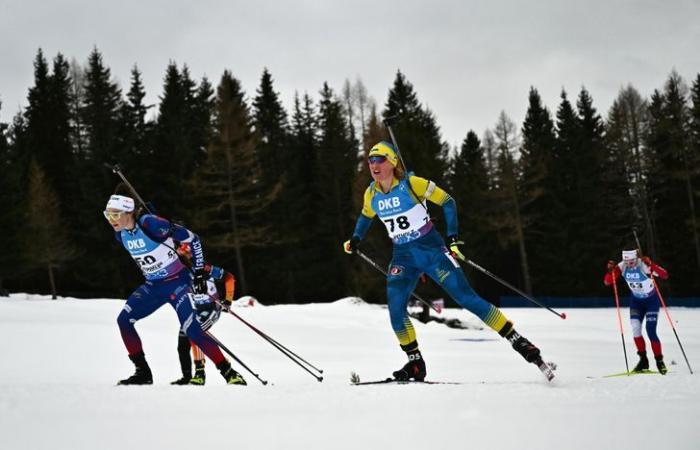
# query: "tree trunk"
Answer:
x=521 y=245
x=52 y=282
x=237 y=248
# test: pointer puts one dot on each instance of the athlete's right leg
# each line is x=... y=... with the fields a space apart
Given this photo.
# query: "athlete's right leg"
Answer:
x=401 y=281
x=637 y=313
x=141 y=303
x=446 y=271
x=183 y=353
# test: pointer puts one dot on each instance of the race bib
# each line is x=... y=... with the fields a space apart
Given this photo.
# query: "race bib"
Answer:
x=406 y=226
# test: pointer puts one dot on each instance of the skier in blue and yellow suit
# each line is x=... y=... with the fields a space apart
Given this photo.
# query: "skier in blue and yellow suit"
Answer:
x=399 y=201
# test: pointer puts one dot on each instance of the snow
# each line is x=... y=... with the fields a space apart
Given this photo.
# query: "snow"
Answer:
x=61 y=359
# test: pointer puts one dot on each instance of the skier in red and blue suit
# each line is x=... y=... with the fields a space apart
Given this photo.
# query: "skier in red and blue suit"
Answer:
x=638 y=272
x=151 y=241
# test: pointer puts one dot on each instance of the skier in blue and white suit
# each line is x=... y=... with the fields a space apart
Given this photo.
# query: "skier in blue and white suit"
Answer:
x=400 y=203
x=151 y=241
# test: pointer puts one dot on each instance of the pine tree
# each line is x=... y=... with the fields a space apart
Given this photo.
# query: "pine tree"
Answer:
x=671 y=184
x=38 y=112
x=563 y=179
x=180 y=135
x=536 y=184
x=228 y=184
x=62 y=152
x=202 y=111
x=273 y=153
x=625 y=170
x=469 y=185
x=10 y=221
x=138 y=131
x=100 y=111
x=101 y=133
x=47 y=128
x=507 y=218
x=337 y=154
x=592 y=212
x=46 y=242
x=303 y=225
x=77 y=98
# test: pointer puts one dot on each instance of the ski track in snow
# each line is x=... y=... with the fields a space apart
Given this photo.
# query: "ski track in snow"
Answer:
x=61 y=359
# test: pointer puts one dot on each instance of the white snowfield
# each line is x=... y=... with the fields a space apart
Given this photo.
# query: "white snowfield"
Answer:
x=61 y=360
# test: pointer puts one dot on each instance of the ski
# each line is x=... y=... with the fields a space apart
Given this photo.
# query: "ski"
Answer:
x=394 y=381
x=547 y=368
x=624 y=374
x=355 y=381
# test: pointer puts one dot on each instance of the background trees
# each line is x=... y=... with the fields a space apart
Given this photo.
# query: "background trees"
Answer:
x=274 y=193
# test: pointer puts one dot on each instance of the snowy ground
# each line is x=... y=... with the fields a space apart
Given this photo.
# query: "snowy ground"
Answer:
x=61 y=359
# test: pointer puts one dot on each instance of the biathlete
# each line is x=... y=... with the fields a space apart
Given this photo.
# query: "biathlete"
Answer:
x=644 y=302
x=399 y=201
x=207 y=313
x=151 y=242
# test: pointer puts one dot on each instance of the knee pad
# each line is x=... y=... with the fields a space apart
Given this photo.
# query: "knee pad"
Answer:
x=636 y=326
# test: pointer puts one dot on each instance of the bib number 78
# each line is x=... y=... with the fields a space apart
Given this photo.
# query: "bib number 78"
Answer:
x=401 y=222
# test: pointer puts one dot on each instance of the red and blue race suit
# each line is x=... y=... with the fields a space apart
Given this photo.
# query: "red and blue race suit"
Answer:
x=151 y=243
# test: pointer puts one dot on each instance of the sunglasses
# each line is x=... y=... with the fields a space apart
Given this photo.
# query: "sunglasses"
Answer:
x=113 y=216
x=377 y=159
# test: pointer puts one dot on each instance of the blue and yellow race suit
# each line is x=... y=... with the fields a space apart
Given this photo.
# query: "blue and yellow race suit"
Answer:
x=419 y=248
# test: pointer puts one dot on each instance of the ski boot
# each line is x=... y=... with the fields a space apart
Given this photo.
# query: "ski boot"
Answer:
x=199 y=375
x=182 y=381
x=643 y=363
x=413 y=369
x=229 y=374
x=660 y=364
x=526 y=349
x=142 y=375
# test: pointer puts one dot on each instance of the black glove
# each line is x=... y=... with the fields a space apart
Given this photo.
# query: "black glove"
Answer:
x=199 y=283
x=351 y=245
x=611 y=265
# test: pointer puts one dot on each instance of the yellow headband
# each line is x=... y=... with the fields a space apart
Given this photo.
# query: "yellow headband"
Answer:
x=384 y=149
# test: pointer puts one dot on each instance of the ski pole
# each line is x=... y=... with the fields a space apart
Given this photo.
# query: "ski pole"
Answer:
x=116 y=169
x=508 y=285
x=274 y=342
x=619 y=321
x=284 y=350
x=388 y=122
x=223 y=347
x=658 y=292
x=379 y=268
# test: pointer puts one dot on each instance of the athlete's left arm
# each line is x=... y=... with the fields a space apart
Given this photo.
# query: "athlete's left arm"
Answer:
x=426 y=189
x=161 y=229
x=654 y=269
